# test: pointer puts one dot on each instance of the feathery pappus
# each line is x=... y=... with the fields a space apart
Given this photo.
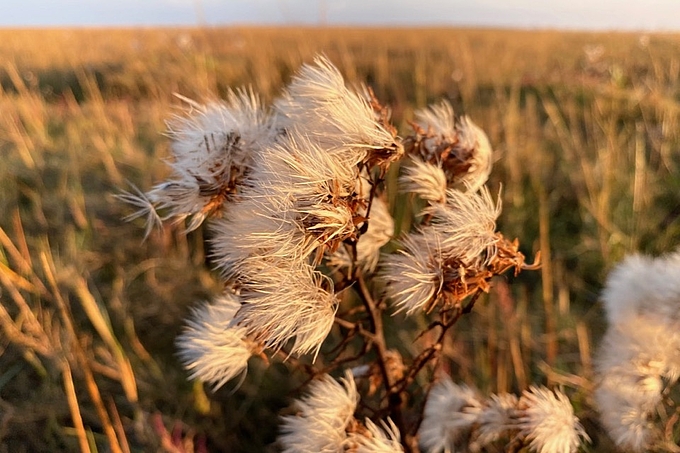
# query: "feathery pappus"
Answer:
x=548 y=422
x=324 y=415
x=449 y=417
x=282 y=303
x=376 y=439
x=639 y=355
x=379 y=232
x=452 y=257
x=457 y=418
x=454 y=144
x=334 y=116
x=212 y=154
x=211 y=347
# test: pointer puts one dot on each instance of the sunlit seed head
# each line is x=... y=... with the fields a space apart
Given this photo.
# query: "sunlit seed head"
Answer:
x=286 y=303
x=640 y=351
x=254 y=236
x=413 y=275
x=323 y=416
x=547 y=421
x=424 y=179
x=450 y=413
x=626 y=402
x=635 y=358
x=213 y=148
x=480 y=160
x=496 y=418
x=467 y=225
x=333 y=115
x=385 y=439
x=211 y=348
x=456 y=144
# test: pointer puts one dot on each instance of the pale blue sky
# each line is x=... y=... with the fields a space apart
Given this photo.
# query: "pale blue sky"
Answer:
x=570 y=14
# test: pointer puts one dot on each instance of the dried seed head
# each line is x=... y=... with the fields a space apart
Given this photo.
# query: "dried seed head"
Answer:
x=456 y=145
x=425 y=179
x=324 y=415
x=333 y=116
x=414 y=275
x=467 y=225
x=448 y=417
x=547 y=421
x=496 y=418
x=211 y=347
x=282 y=303
x=212 y=151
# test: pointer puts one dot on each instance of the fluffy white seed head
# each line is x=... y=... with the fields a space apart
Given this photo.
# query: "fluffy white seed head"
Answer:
x=323 y=416
x=641 y=348
x=496 y=418
x=413 y=275
x=450 y=413
x=547 y=421
x=469 y=154
x=467 y=225
x=284 y=303
x=481 y=160
x=627 y=402
x=644 y=285
x=634 y=360
x=211 y=348
x=377 y=440
x=311 y=186
x=440 y=119
x=212 y=153
x=425 y=179
x=254 y=236
x=334 y=116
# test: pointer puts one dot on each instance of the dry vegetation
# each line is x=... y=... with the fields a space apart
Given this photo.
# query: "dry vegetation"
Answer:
x=586 y=131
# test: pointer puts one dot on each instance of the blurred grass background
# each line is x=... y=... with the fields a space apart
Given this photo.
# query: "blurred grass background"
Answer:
x=585 y=129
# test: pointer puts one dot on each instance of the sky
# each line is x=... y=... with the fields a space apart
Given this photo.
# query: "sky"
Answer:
x=649 y=15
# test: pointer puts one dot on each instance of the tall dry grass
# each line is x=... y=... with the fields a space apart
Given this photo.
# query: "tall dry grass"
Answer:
x=585 y=127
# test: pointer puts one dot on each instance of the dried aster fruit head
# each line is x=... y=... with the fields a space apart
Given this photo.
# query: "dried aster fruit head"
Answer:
x=213 y=149
x=414 y=275
x=453 y=257
x=640 y=352
x=282 y=303
x=376 y=439
x=455 y=144
x=323 y=417
x=467 y=225
x=450 y=413
x=425 y=179
x=334 y=116
x=547 y=421
x=496 y=418
x=211 y=347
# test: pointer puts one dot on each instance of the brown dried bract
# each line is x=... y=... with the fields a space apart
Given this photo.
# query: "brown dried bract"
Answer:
x=383 y=156
x=453 y=156
x=461 y=281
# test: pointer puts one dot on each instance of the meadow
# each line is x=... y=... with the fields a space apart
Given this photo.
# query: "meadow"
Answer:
x=585 y=130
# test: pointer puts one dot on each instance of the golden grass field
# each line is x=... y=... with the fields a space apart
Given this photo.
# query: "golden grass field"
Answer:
x=586 y=132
